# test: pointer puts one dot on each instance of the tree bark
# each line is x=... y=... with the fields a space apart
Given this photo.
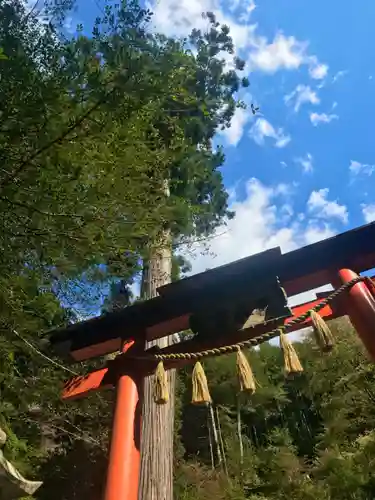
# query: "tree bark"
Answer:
x=214 y=433
x=239 y=430
x=156 y=479
x=221 y=442
x=210 y=440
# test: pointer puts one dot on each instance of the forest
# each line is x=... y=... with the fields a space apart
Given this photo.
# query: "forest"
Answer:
x=106 y=146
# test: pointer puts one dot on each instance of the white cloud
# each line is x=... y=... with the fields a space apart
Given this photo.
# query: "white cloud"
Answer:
x=317 y=70
x=317 y=118
x=33 y=5
x=283 y=189
x=178 y=17
x=339 y=75
x=29 y=4
x=234 y=133
x=262 y=128
x=368 y=212
x=283 y=164
x=304 y=297
x=316 y=232
x=282 y=141
x=135 y=288
x=357 y=168
x=264 y=219
x=300 y=95
x=245 y=6
x=305 y=162
x=321 y=207
x=70 y=25
x=286 y=213
x=283 y=53
x=38 y=10
x=249 y=7
x=255 y=227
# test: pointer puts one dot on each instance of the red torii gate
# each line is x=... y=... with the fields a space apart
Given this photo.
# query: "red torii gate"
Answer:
x=336 y=260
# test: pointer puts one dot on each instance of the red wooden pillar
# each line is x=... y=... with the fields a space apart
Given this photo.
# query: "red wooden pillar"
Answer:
x=360 y=307
x=124 y=457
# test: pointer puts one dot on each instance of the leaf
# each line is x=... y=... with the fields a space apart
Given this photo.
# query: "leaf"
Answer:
x=3 y=57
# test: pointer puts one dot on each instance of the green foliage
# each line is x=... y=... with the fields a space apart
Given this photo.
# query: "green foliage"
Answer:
x=306 y=438
x=94 y=127
x=92 y=130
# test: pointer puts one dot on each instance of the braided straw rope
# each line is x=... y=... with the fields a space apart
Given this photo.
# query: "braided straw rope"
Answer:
x=217 y=351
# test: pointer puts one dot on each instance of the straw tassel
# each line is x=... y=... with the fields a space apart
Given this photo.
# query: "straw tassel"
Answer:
x=291 y=362
x=245 y=373
x=322 y=333
x=201 y=394
x=161 y=395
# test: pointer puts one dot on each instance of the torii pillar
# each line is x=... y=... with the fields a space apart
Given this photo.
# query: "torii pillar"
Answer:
x=124 y=456
x=359 y=303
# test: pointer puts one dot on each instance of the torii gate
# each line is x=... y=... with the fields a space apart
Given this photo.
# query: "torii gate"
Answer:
x=214 y=304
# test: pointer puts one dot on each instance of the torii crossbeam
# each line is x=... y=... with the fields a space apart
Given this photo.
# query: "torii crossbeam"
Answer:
x=213 y=304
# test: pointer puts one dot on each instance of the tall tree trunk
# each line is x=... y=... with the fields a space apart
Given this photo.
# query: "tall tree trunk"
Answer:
x=239 y=430
x=214 y=433
x=156 y=480
x=221 y=441
x=209 y=427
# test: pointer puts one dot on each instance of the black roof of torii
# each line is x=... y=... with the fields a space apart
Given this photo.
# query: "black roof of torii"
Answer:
x=299 y=270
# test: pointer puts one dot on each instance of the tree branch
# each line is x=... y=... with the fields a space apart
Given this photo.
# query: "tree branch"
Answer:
x=34 y=209
x=77 y=122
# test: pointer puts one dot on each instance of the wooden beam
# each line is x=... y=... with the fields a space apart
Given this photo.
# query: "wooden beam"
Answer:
x=101 y=379
x=299 y=271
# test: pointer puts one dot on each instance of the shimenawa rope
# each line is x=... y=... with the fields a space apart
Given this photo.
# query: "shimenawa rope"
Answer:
x=217 y=351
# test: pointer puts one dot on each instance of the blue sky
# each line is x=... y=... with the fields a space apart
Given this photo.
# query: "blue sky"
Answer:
x=303 y=169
